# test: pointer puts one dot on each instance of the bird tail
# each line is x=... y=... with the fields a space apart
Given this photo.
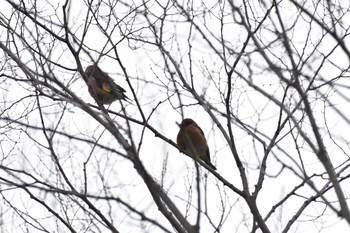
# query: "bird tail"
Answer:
x=207 y=161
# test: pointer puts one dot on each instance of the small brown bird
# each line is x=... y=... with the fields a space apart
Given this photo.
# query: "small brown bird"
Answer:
x=191 y=139
x=102 y=87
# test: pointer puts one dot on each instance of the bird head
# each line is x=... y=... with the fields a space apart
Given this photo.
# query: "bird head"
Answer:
x=91 y=69
x=186 y=122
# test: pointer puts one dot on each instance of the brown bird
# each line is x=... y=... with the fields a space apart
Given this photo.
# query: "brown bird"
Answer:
x=102 y=87
x=191 y=139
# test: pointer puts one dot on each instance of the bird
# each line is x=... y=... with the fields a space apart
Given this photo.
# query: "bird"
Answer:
x=102 y=87
x=191 y=140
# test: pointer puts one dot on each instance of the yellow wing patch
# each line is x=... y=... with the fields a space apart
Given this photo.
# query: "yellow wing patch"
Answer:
x=106 y=88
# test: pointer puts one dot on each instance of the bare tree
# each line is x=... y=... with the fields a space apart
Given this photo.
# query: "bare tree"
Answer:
x=265 y=80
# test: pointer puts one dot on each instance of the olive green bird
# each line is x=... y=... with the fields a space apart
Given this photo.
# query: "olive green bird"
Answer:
x=191 y=139
x=102 y=87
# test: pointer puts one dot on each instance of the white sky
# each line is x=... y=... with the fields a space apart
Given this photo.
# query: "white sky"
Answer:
x=145 y=68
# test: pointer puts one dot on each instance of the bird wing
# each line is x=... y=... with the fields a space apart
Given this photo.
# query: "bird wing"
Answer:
x=197 y=139
x=112 y=88
x=106 y=87
x=201 y=145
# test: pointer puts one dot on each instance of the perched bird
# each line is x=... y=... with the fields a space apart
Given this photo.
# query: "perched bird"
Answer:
x=191 y=139
x=102 y=87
